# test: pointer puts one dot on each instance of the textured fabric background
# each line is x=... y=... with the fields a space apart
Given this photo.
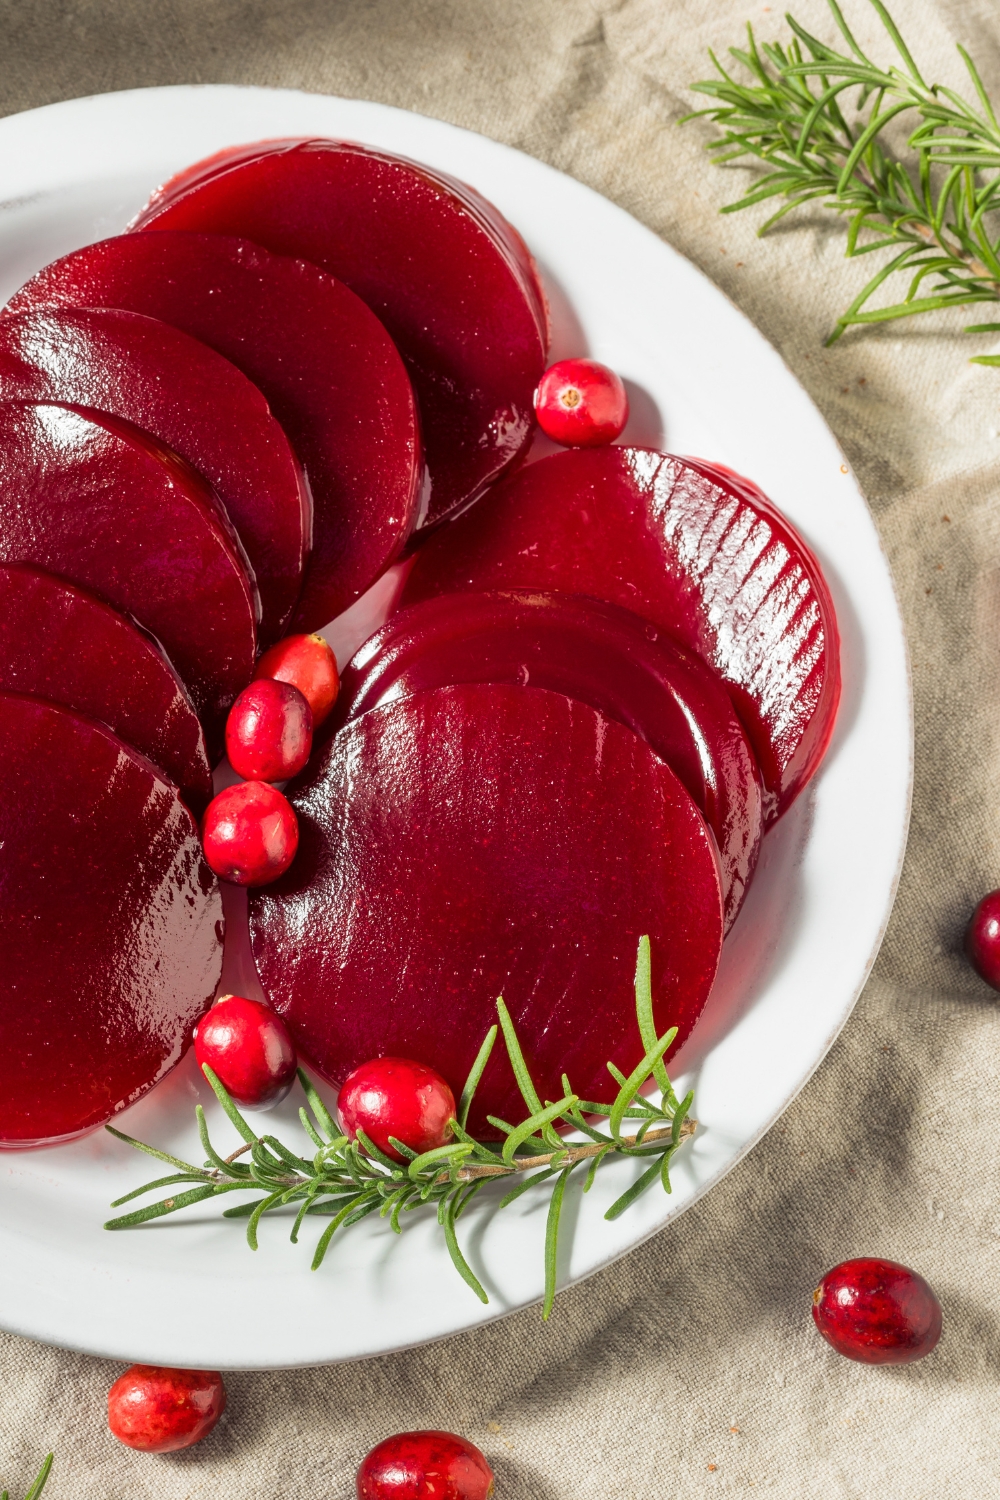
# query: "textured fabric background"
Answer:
x=691 y=1368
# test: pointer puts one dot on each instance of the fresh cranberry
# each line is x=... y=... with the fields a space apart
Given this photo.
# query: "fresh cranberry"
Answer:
x=425 y=1466
x=247 y=1045
x=250 y=833
x=269 y=731
x=581 y=404
x=158 y=1410
x=877 y=1312
x=308 y=663
x=393 y=1096
x=982 y=939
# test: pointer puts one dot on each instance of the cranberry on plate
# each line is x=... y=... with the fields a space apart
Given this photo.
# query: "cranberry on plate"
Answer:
x=308 y=663
x=269 y=731
x=877 y=1311
x=247 y=1046
x=159 y=1410
x=392 y=1096
x=249 y=833
x=581 y=403
x=425 y=1466
x=982 y=939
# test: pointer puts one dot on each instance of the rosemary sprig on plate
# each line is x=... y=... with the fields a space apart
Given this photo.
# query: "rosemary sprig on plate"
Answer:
x=346 y=1180
x=39 y=1484
x=934 y=209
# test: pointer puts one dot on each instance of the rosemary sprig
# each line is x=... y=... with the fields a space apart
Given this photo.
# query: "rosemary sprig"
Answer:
x=346 y=1181
x=39 y=1484
x=934 y=210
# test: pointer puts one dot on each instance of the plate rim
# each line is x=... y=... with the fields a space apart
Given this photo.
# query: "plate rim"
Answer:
x=58 y=112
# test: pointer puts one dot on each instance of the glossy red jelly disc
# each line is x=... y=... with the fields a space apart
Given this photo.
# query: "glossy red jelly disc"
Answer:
x=600 y=654
x=323 y=361
x=705 y=557
x=104 y=505
x=110 y=924
x=451 y=280
x=59 y=642
x=483 y=840
x=195 y=402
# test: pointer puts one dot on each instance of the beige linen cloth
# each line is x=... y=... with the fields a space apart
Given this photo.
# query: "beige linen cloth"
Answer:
x=690 y=1368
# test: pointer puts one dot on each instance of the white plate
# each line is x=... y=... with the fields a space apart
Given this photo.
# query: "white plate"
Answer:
x=703 y=381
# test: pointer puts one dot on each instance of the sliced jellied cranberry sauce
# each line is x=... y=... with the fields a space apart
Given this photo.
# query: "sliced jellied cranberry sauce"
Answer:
x=106 y=506
x=110 y=924
x=451 y=280
x=195 y=402
x=704 y=556
x=609 y=674
x=600 y=654
x=478 y=841
x=325 y=364
x=59 y=642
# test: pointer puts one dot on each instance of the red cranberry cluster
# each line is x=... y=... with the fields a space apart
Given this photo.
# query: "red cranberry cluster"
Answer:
x=249 y=832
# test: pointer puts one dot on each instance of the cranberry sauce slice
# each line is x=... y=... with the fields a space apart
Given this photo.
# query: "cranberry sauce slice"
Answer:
x=59 y=642
x=110 y=924
x=708 y=560
x=506 y=236
x=483 y=840
x=602 y=655
x=466 y=311
x=104 y=505
x=191 y=399
x=324 y=363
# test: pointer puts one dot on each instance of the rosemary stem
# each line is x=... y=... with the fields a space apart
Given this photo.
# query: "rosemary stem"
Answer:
x=957 y=252
x=926 y=233
x=567 y=1157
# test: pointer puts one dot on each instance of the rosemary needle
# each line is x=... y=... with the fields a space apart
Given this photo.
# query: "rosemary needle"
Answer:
x=348 y=1180
x=39 y=1484
x=932 y=205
